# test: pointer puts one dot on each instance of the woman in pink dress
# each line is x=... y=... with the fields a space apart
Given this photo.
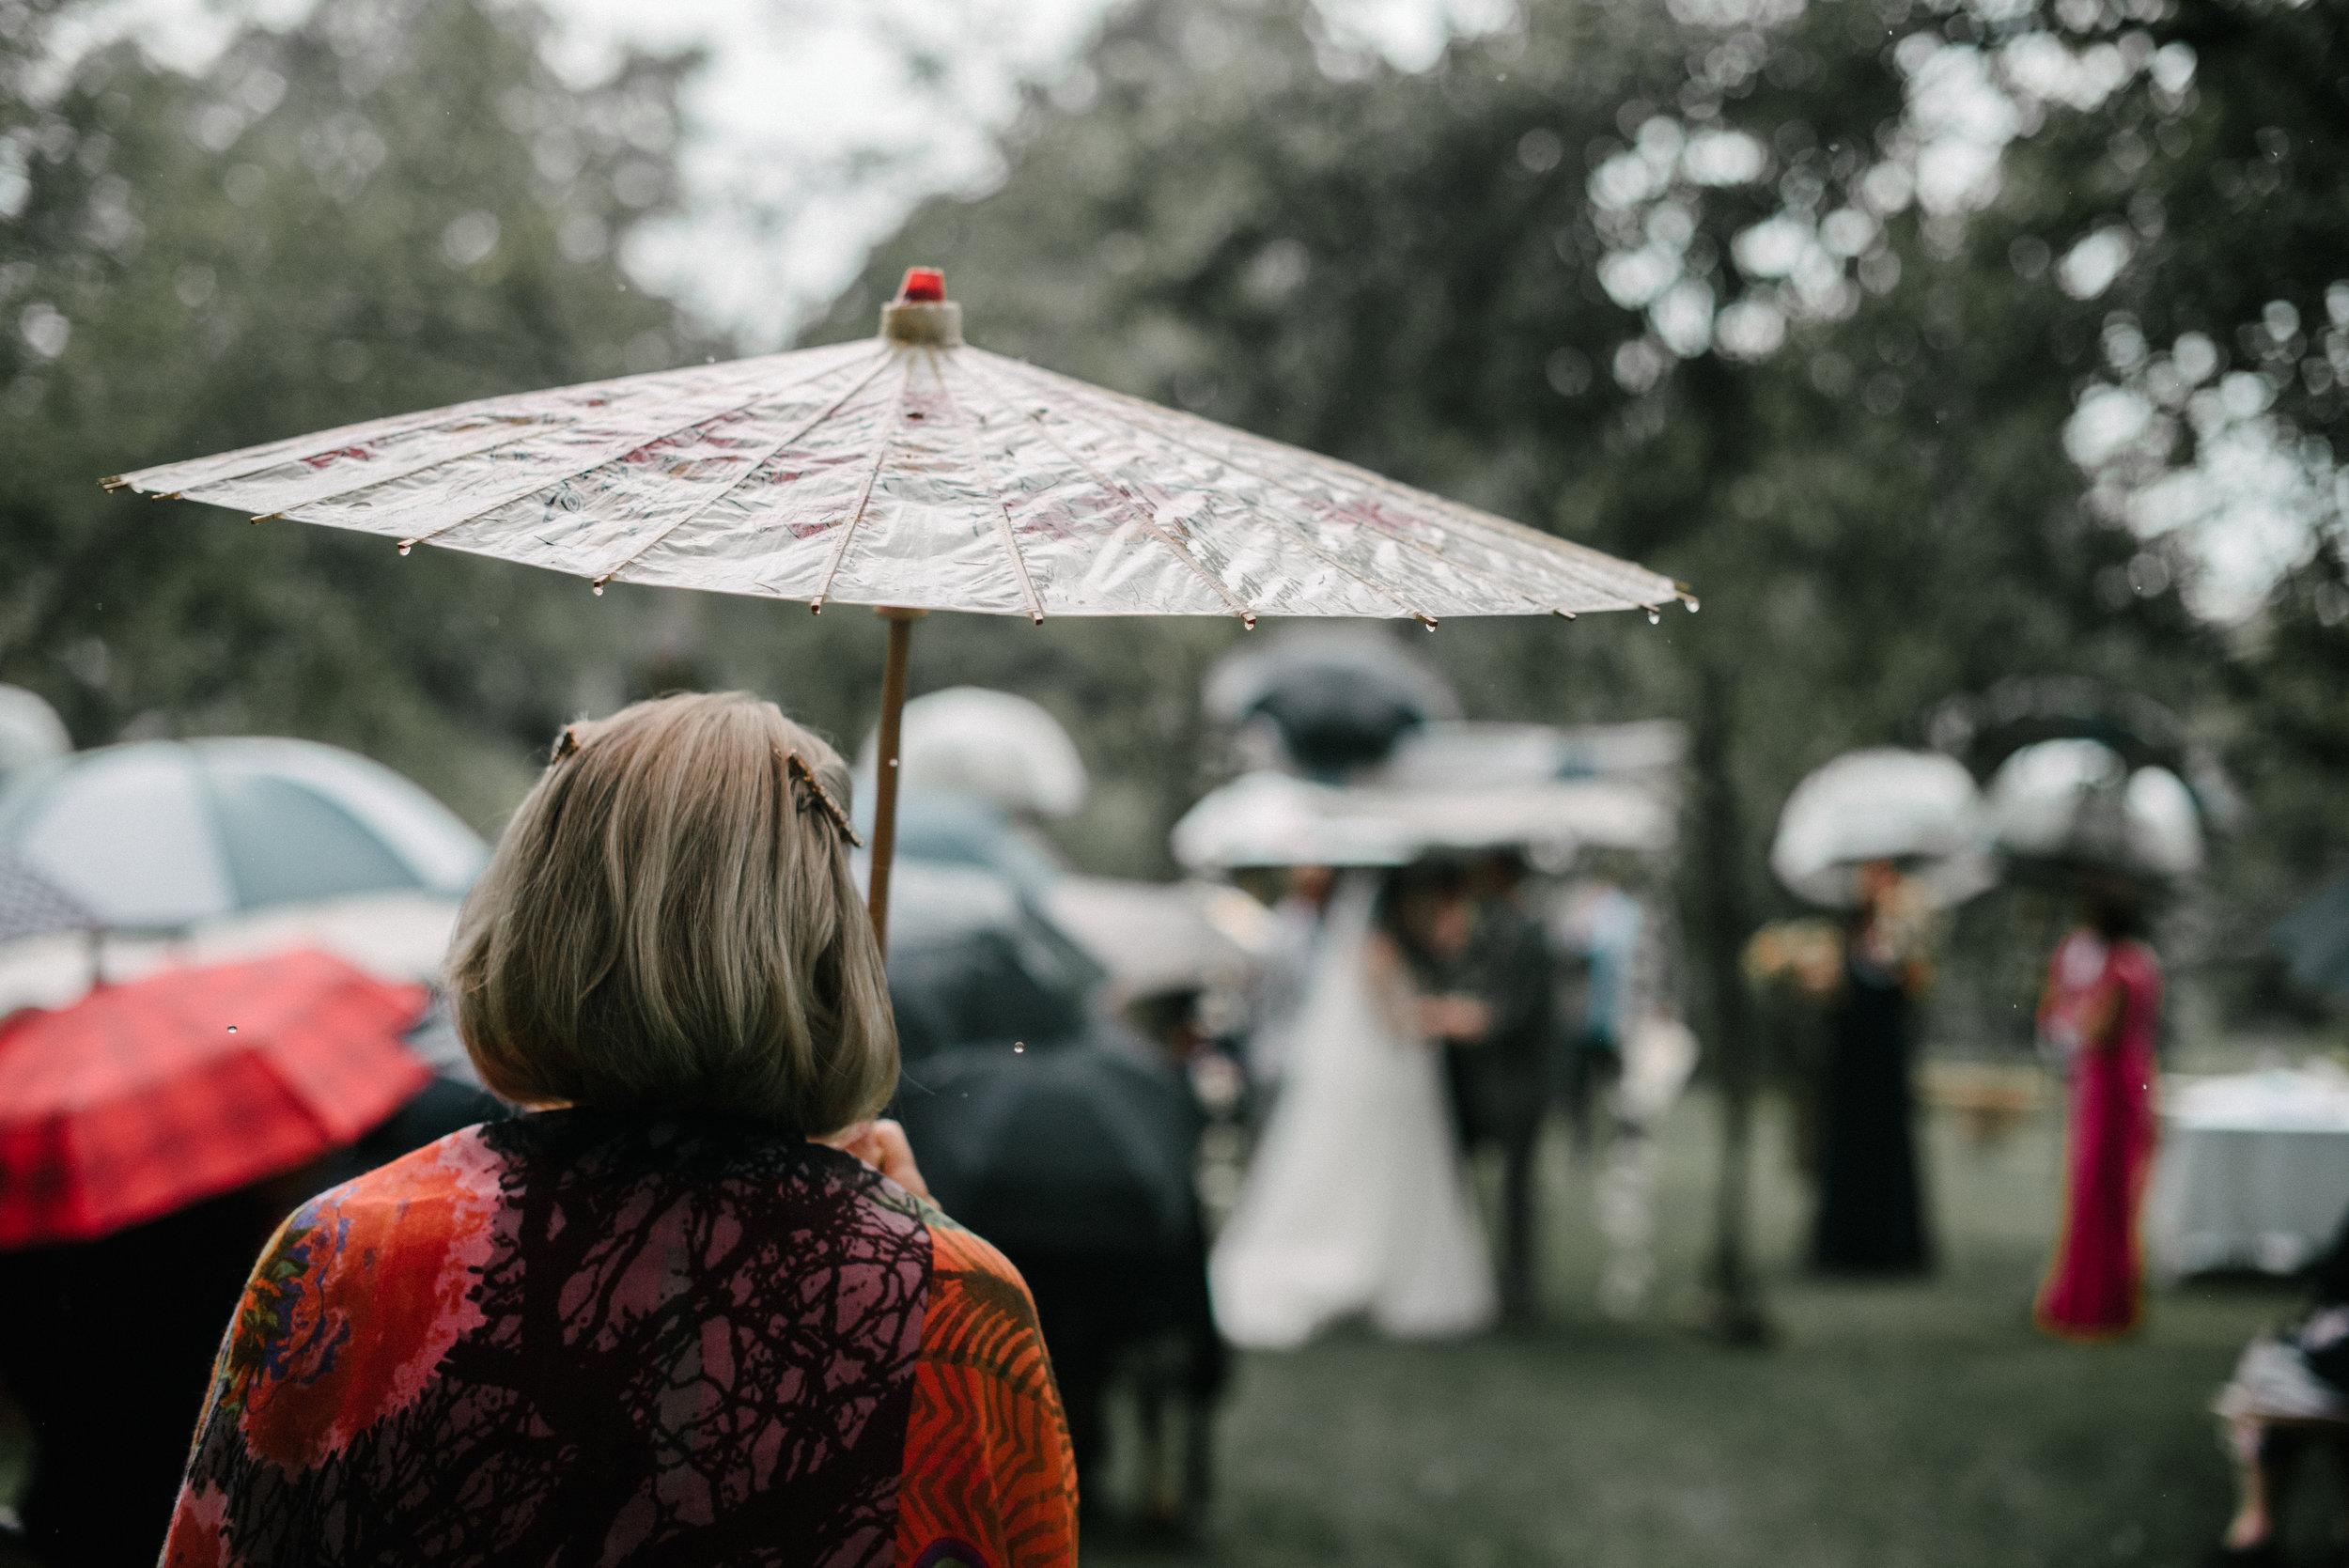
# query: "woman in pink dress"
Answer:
x=2102 y=1007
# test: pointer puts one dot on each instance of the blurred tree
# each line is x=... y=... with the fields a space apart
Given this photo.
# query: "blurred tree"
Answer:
x=389 y=207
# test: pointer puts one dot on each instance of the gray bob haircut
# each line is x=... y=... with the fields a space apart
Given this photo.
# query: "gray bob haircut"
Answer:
x=670 y=921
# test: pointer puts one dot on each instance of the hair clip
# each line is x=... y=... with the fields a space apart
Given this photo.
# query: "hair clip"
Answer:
x=806 y=775
x=566 y=745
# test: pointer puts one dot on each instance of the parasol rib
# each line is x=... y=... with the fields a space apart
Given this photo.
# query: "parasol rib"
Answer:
x=739 y=480
x=610 y=455
x=865 y=495
x=292 y=449
x=1133 y=509
x=1162 y=419
x=280 y=453
x=535 y=427
x=1304 y=537
x=987 y=478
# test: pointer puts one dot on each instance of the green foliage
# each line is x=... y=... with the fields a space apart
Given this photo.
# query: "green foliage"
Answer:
x=392 y=208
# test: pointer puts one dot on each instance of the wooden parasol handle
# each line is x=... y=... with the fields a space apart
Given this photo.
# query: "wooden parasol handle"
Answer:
x=885 y=765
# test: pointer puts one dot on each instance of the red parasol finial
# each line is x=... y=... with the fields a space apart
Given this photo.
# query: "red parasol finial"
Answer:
x=922 y=313
x=922 y=286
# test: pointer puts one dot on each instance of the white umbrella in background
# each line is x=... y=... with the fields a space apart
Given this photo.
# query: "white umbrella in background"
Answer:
x=968 y=740
x=2077 y=803
x=207 y=850
x=1269 y=819
x=30 y=732
x=910 y=473
x=1154 y=937
x=1919 y=808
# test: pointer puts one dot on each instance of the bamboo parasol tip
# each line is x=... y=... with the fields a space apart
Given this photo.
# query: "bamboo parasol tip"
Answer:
x=920 y=313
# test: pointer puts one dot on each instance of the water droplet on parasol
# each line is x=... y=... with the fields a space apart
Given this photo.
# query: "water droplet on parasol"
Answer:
x=407 y=545
x=1654 y=615
x=232 y=1028
x=596 y=588
x=1691 y=604
x=1020 y=1047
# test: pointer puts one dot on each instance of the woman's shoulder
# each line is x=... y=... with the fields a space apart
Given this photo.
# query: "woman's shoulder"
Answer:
x=463 y=1161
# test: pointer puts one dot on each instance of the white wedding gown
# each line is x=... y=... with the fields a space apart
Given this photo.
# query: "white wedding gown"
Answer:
x=1357 y=1199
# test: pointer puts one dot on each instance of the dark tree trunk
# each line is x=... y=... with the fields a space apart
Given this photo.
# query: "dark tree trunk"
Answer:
x=1733 y=1310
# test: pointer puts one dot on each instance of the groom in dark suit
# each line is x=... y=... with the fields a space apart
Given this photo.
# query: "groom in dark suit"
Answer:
x=1485 y=966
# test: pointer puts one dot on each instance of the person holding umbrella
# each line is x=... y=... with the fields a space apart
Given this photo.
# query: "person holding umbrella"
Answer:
x=692 y=1309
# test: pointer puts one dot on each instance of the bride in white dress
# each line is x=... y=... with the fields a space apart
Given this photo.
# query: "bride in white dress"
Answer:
x=1357 y=1200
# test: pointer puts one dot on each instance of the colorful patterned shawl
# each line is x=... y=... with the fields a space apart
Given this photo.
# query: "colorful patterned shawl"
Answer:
x=576 y=1338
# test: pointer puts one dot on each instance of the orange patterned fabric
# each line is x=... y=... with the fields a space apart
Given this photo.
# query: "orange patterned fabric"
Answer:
x=990 y=1481
x=575 y=1337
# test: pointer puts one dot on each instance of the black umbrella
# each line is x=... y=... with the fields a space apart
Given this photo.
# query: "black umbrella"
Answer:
x=2314 y=940
x=1081 y=1146
x=973 y=961
x=1341 y=700
x=1984 y=731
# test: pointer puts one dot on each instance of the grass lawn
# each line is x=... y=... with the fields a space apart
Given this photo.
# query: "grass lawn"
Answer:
x=1917 y=1423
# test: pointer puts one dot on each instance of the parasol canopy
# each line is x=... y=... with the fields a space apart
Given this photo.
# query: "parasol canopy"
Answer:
x=142 y=1098
x=1882 y=803
x=911 y=473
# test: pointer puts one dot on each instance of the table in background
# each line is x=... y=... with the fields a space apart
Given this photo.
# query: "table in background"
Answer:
x=2254 y=1172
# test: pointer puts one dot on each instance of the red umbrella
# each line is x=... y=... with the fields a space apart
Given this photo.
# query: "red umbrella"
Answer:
x=143 y=1099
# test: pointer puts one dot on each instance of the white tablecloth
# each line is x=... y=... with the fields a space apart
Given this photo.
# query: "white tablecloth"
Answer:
x=2254 y=1172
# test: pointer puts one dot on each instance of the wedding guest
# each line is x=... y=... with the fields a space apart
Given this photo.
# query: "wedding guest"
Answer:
x=2101 y=1013
x=693 y=1308
x=1871 y=1216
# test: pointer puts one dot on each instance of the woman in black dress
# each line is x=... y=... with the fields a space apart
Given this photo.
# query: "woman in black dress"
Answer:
x=1871 y=1217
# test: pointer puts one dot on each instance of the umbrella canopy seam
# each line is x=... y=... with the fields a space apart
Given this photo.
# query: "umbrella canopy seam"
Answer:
x=605 y=459
x=998 y=504
x=765 y=458
x=1382 y=530
x=530 y=428
x=865 y=496
x=1165 y=422
x=1304 y=536
x=1133 y=509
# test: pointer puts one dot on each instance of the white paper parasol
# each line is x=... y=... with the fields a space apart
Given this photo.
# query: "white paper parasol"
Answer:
x=911 y=473
x=1883 y=803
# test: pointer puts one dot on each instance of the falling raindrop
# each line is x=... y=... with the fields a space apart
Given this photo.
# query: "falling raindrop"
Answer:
x=1654 y=615
x=1020 y=1047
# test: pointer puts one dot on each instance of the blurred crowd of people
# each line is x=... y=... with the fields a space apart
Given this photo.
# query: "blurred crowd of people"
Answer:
x=1235 y=1109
